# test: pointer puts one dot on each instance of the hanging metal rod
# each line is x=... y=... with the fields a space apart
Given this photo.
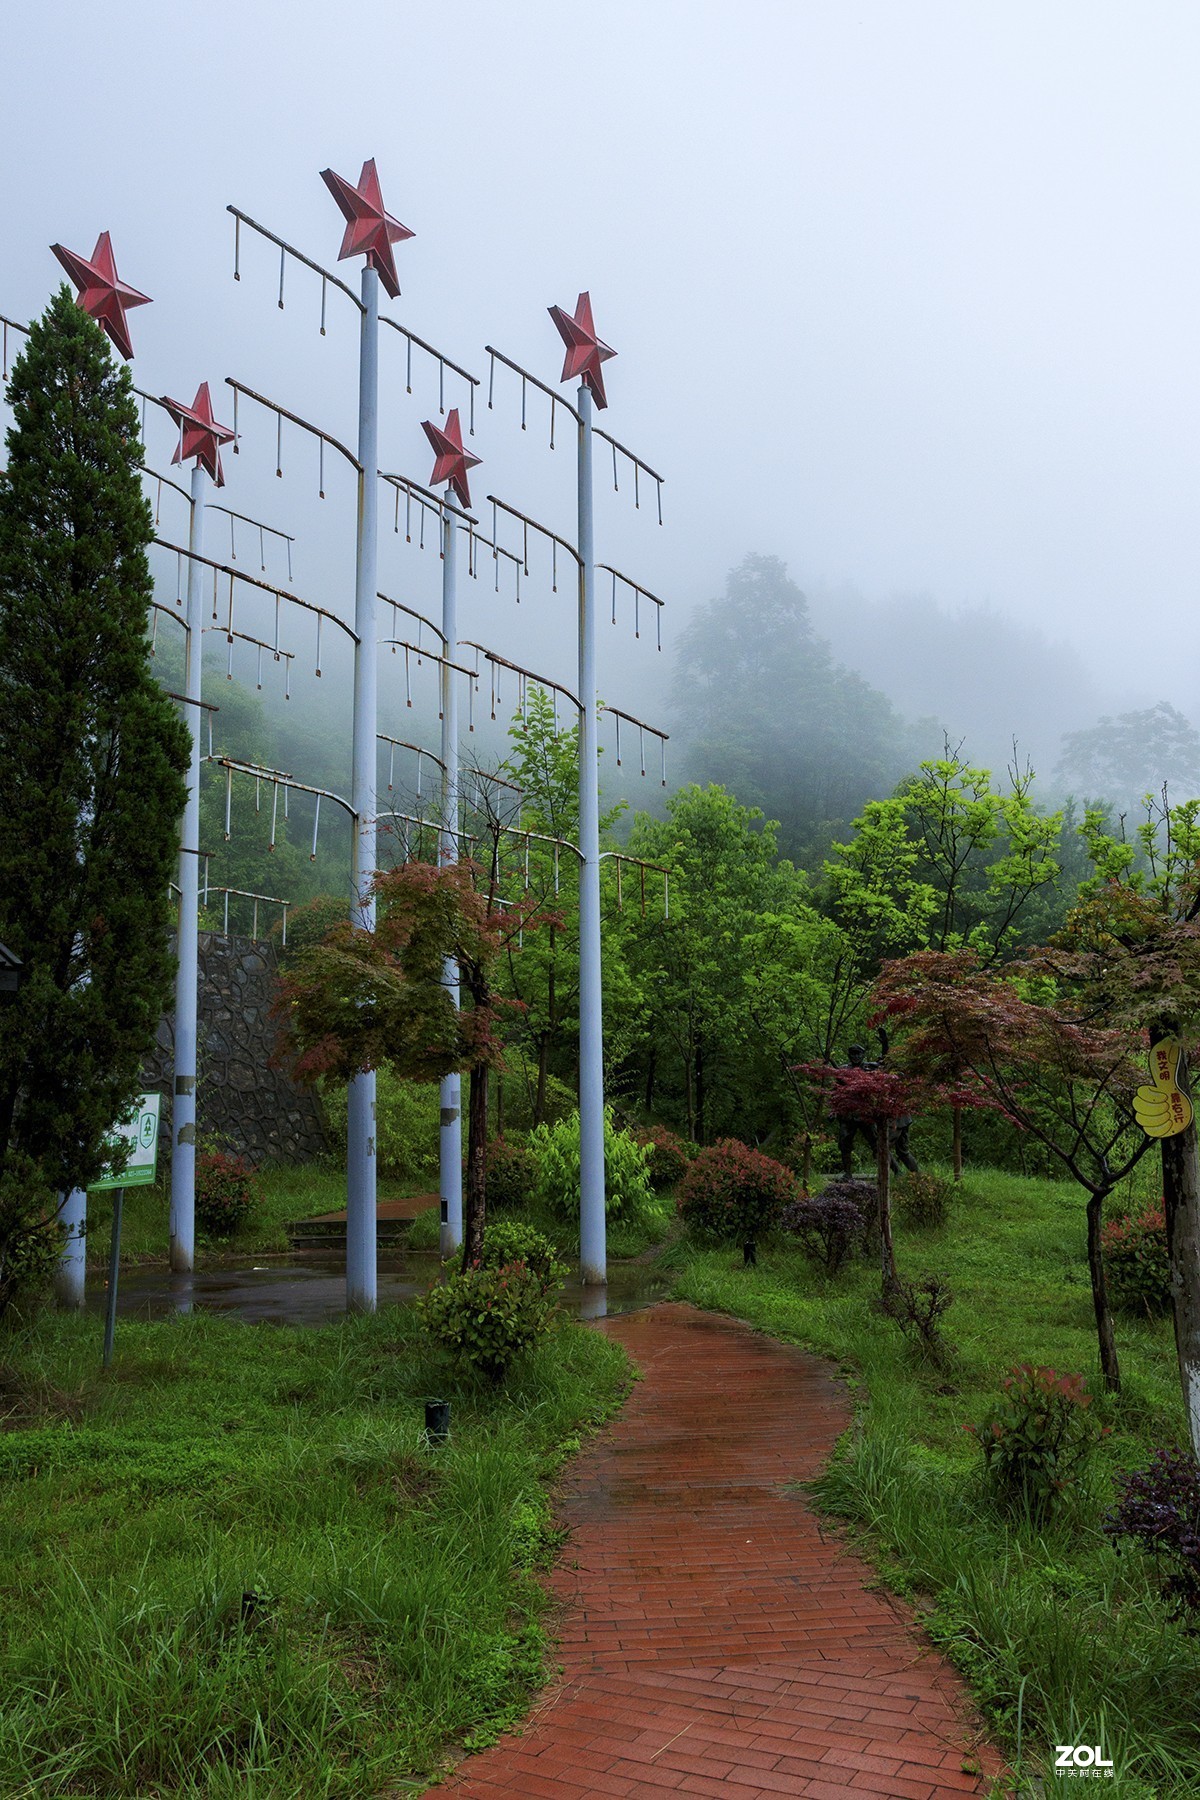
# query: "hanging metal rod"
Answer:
x=289 y=250
x=282 y=412
x=164 y=481
x=430 y=655
x=265 y=587
x=531 y=524
x=519 y=669
x=413 y=614
x=7 y=325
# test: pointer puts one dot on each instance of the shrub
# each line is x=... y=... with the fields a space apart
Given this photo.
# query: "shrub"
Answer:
x=920 y=1198
x=1159 y=1508
x=555 y=1151
x=227 y=1192
x=1136 y=1264
x=733 y=1194
x=917 y=1307
x=510 y=1241
x=827 y=1227
x=484 y=1317
x=511 y=1175
x=407 y=1118
x=1038 y=1437
x=670 y=1155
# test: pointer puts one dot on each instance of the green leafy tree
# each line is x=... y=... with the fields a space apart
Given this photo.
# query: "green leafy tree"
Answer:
x=702 y=1054
x=91 y=762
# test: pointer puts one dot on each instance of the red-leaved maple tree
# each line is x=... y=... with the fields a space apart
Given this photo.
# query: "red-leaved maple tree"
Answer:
x=364 y=1000
x=1033 y=1044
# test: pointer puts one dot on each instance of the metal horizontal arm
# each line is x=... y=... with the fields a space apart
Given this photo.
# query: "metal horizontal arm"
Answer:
x=266 y=587
x=431 y=656
x=282 y=412
x=399 y=606
x=498 y=505
x=519 y=669
x=242 y=218
x=555 y=399
x=443 y=363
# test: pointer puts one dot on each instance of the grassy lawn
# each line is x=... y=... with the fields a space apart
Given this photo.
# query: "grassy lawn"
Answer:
x=1063 y=1640
x=289 y=1192
x=232 y=1566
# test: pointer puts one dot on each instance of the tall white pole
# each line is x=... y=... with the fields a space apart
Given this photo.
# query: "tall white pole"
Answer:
x=69 y=1277
x=450 y=1141
x=361 y=1267
x=592 y=1264
x=183 y=1115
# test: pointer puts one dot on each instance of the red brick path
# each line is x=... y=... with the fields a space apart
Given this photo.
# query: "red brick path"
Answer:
x=715 y=1640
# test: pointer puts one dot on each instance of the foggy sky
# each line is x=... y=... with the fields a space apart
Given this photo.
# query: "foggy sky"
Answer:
x=904 y=292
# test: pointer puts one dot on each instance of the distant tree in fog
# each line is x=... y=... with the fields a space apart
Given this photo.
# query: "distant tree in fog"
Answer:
x=1133 y=754
x=763 y=708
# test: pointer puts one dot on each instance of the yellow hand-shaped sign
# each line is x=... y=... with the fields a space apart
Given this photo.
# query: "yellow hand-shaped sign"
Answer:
x=1162 y=1110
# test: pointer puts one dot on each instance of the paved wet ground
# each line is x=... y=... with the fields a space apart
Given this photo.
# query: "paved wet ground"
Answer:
x=716 y=1638
x=310 y=1289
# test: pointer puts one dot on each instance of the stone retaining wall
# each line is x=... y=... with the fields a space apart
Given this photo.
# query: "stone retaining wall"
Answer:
x=251 y=1107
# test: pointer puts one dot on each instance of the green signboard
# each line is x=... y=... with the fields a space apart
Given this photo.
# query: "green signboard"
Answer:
x=141 y=1134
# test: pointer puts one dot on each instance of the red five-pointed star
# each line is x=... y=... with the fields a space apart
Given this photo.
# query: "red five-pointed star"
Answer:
x=369 y=229
x=452 y=460
x=102 y=293
x=200 y=435
x=585 y=351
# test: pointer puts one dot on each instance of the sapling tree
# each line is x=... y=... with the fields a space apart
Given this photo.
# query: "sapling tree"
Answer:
x=1034 y=1046
x=91 y=768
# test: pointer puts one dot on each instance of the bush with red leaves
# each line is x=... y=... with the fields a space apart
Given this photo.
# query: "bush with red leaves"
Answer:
x=670 y=1155
x=733 y=1194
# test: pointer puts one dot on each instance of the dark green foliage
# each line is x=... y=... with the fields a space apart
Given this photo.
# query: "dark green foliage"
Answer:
x=91 y=758
x=922 y=1198
x=670 y=1155
x=1159 y=1508
x=556 y=1156
x=734 y=1194
x=1037 y=1438
x=227 y=1193
x=918 y=1307
x=511 y=1174
x=484 y=1318
x=1137 y=1266
x=829 y=1226
x=511 y=1241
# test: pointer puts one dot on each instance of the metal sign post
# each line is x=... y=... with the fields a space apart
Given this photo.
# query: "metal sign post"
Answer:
x=140 y=1134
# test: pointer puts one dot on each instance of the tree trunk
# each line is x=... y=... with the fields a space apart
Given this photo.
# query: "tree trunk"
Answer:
x=1181 y=1202
x=499 y=1106
x=883 y=1177
x=476 y=1196
x=957 y=1143
x=538 y=1104
x=651 y=1072
x=1104 y=1325
x=701 y=1096
x=806 y=1151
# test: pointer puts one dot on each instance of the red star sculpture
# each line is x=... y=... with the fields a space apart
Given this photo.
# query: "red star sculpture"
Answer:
x=370 y=231
x=200 y=435
x=585 y=351
x=452 y=460
x=102 y=293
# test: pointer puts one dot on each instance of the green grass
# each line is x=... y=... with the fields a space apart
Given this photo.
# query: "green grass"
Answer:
x=1062 y=1639
x=232 y=1566
x=289 y=1192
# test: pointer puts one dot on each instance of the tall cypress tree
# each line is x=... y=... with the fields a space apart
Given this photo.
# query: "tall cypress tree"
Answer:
x=91 y=767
